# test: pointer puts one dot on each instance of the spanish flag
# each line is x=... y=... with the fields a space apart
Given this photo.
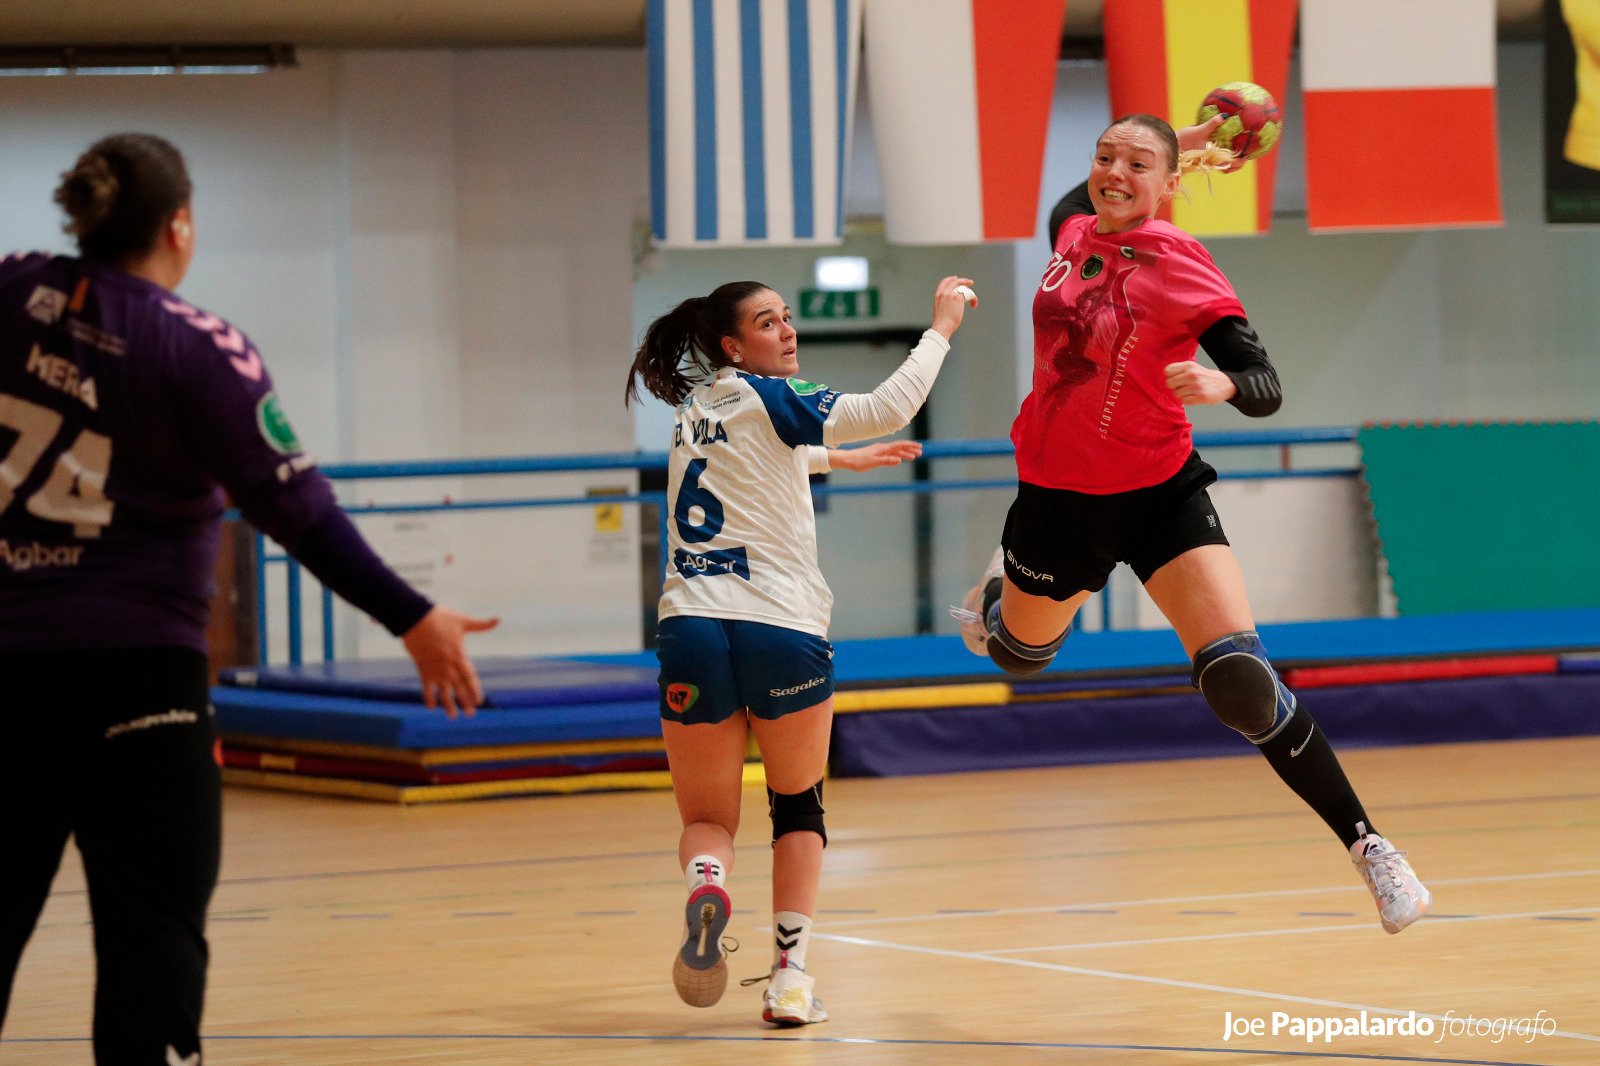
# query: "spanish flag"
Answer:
x=1163 y=56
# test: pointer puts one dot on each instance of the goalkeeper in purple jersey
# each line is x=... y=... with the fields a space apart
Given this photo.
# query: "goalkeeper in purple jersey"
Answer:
x=124 y=414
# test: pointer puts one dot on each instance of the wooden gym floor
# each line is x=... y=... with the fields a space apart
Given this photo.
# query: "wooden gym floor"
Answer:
x=1106 y=914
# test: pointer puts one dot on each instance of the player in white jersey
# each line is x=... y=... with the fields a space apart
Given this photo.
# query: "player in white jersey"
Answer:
x=744 y=611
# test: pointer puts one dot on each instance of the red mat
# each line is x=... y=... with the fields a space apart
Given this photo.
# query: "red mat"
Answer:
x=1423 y=670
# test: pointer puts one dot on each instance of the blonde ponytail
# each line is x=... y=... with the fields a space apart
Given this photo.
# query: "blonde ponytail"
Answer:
x=1211 y=157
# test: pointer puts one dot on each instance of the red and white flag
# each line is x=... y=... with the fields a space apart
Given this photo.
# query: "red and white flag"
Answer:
x=961 y=93
x=1400 y=113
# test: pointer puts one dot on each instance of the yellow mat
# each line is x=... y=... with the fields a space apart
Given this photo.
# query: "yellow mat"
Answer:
x=754 y=774
x=982 y=694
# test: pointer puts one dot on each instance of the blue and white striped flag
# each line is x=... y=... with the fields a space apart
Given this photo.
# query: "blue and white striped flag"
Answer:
x=750 y=113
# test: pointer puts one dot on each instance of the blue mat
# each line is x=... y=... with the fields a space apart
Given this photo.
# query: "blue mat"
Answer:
x=903 y=659
x=507 y=682
x=299 y=716
x=607 y=696
x=891 y=743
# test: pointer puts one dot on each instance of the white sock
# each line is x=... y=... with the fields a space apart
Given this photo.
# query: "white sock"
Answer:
x=704 y=870
x=791 y=933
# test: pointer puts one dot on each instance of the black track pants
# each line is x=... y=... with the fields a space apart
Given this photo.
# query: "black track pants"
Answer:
x=116 y=748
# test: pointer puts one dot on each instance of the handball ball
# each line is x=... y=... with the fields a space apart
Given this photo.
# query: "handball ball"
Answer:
x=1251 y=120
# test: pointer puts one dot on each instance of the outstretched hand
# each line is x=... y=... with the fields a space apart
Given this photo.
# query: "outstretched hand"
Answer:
x=1194 y=384
x=884 y=453
x=437 y=645
x=948 y=306
x=1194 y=138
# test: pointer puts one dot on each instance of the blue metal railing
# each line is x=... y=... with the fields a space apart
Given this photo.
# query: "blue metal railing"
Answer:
x=1283 y=439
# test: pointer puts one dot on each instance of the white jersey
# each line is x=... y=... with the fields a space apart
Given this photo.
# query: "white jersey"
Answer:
x=741 y=533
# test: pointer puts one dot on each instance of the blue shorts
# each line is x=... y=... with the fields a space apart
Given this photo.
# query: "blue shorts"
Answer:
x=713 y=667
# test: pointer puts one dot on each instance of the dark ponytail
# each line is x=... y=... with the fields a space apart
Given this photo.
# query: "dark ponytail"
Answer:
x=684 y=346
x=121 y=193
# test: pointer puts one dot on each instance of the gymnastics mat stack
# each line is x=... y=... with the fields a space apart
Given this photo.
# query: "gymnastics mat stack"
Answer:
x=361 y=730
x=1370 y=682
x=912 y=705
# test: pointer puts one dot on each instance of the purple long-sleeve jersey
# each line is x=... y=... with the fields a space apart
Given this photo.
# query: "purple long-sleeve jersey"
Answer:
x=124 y=412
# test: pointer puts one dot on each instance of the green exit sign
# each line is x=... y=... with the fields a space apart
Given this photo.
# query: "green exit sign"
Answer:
x=815 y=303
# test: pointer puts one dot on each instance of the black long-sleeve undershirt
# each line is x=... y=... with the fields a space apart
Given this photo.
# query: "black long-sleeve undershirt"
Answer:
x=1231 y=342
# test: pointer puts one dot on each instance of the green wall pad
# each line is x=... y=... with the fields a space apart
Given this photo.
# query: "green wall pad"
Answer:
x=1487 y=517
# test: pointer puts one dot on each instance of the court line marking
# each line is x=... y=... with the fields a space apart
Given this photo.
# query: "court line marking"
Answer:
x=843 y=838
x=1486 y=879
x=1170 y=982
x=1280 y=932
x=774 y=1039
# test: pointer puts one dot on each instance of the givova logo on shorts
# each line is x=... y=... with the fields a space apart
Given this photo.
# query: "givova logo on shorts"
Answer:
x=681 y=697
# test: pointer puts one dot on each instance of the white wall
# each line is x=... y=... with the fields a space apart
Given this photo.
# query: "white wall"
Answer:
x=431 y=250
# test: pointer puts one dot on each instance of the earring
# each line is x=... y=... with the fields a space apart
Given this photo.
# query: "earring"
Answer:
x=737 y=358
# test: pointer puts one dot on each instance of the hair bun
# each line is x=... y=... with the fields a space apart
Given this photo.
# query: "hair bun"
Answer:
x=88 y=192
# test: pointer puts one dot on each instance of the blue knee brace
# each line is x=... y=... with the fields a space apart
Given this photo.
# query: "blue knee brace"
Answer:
x=1015 y=657
x=1242 y=688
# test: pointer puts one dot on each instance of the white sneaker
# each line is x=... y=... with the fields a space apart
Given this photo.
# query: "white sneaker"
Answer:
x=974 y=626
x=789 y=1001
x=700 y=969
x=1400 y=896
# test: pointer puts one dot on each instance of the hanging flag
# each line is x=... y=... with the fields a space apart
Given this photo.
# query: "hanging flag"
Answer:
x=750 y=115
x=1572 y=111
x=960 y=95
x=1405 y=83
x=1164 y=56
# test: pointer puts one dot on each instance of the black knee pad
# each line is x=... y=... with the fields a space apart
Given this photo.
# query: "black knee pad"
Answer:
x=1241 y=686
x=796 y=813
x=1015 y=657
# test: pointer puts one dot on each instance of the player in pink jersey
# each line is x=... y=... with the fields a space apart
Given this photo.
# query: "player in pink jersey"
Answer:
x=1107 y=471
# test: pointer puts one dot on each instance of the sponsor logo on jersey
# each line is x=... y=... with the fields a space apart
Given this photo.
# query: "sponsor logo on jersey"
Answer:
x=294 y=465
x=79 y=330
x=62 y=375
x=681 y=697
x=813 y=683
x=735 y=561
x=275 y=426
x=1092 y=267
x=1147 y=258
x=28 y=556
x=727 y=401
x=46 y=304
x=805 y=388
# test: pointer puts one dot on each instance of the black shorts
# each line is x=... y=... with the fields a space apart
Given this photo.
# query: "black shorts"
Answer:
x=1059 y=543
